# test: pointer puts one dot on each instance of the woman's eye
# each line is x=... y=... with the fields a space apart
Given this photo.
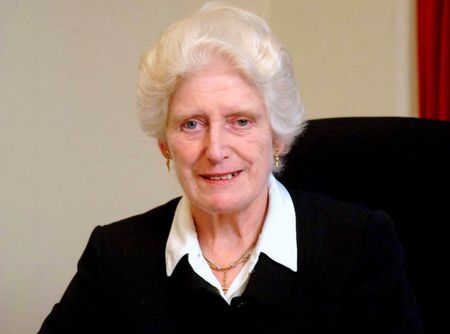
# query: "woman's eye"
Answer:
x=242 y=122
x=191 y=125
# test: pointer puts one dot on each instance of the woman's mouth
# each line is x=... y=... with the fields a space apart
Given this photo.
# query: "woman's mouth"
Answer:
x=221 y=177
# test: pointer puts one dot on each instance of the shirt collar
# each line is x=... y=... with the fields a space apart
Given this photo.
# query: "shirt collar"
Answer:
x=278 y=238
x=182 y=238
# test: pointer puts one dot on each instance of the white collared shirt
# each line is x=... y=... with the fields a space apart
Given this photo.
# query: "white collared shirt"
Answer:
x=277 y=240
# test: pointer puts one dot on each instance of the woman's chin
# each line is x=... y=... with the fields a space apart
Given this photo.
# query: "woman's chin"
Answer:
x=220 y=204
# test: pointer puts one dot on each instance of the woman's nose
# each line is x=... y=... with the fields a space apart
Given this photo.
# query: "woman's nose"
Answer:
x=217 y=148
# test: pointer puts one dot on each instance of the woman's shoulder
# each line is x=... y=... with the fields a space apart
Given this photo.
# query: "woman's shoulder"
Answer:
x=152 y=224
x=330 y=209
x=339 y=223
x=341 y=237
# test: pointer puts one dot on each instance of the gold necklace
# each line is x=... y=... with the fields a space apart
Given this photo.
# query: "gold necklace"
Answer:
x=241 y=259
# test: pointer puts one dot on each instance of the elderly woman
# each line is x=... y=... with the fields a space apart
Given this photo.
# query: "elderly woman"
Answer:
x=238 y=252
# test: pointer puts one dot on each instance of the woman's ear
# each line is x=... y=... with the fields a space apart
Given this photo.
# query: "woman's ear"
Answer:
x=164 y=148
x=278 y=150
x=278 y=146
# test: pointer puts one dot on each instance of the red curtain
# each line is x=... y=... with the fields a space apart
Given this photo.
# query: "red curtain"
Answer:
x=433 y=32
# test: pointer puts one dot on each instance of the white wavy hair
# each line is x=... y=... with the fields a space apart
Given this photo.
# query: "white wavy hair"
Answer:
x=236 y=35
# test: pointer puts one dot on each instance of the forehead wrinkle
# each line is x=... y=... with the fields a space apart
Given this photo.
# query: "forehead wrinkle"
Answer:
x=198 y=92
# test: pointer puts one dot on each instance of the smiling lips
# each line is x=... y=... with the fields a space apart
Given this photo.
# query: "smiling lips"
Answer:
x=221 y=177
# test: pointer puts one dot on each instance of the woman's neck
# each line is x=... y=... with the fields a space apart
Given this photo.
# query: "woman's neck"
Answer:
x=222 y=236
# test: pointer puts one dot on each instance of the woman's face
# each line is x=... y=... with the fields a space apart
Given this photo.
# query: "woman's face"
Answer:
x=220 y=139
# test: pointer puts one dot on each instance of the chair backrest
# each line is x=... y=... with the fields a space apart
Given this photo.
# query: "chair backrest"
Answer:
x=397 y=164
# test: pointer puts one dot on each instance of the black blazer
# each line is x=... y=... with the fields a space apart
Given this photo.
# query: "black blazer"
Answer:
x=349 y=280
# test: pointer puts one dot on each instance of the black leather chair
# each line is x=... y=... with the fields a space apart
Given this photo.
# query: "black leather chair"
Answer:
x=397 y=164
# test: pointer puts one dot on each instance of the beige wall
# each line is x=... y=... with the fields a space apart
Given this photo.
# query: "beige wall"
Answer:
x=72 y=155
x=352 y=57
